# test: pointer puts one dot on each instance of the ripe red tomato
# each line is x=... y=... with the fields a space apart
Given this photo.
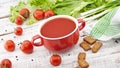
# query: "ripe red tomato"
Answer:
x=55 y=60
x=9 y=45
x=24 y=12
x=38 y=14
x=18 y=31
x=26 y=47
x=6 y=63
x=49 y=13
x=18 y=20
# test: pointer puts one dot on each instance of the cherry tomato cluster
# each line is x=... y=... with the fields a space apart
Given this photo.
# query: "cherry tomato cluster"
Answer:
x=26 y=46
x=25 y=13
x=38 y=14
x=5 y=63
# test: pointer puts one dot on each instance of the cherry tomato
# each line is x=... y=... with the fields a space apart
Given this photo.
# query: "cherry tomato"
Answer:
x=18 y=20
x=9 y=45
x=26 y=47
x=55 y=60
x=49 y=13
x=38 y=14
x=24 y=12
x=6 y=63
x=18 y=31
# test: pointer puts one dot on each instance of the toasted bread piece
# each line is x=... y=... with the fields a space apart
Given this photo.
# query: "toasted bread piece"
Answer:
x=96 y=46
x=89 y=40
x=83 y=63
x=85 y=46
x=81 y=56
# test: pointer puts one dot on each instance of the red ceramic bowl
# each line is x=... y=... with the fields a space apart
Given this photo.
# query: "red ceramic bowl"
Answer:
x=60 y=43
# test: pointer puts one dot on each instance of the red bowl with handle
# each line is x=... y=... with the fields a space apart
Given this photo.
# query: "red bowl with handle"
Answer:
x=62 y=43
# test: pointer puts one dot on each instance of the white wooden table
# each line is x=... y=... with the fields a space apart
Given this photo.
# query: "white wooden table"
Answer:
x=107 y=57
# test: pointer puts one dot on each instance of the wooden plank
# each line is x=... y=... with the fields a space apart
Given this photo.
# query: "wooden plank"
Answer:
x=107 y=57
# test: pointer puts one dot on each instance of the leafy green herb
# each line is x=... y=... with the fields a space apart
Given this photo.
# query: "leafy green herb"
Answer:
x=44 y=4
x=63 y=7
x=31 y=20
x=14 y=11
x=71 y=8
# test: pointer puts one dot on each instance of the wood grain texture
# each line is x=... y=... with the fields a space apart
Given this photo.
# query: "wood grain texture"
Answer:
x=107 y=57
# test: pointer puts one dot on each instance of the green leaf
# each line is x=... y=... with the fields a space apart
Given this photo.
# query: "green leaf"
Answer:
x=44 y=4
x=14 y=11
x=77 y=10
x=62 y=7
x=31 y=20
x=70 y=7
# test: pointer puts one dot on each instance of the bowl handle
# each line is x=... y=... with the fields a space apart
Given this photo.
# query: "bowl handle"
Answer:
x=40 y=43
x=81 y=24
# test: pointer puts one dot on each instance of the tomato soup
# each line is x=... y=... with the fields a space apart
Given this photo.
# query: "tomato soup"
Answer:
x=57 y=27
